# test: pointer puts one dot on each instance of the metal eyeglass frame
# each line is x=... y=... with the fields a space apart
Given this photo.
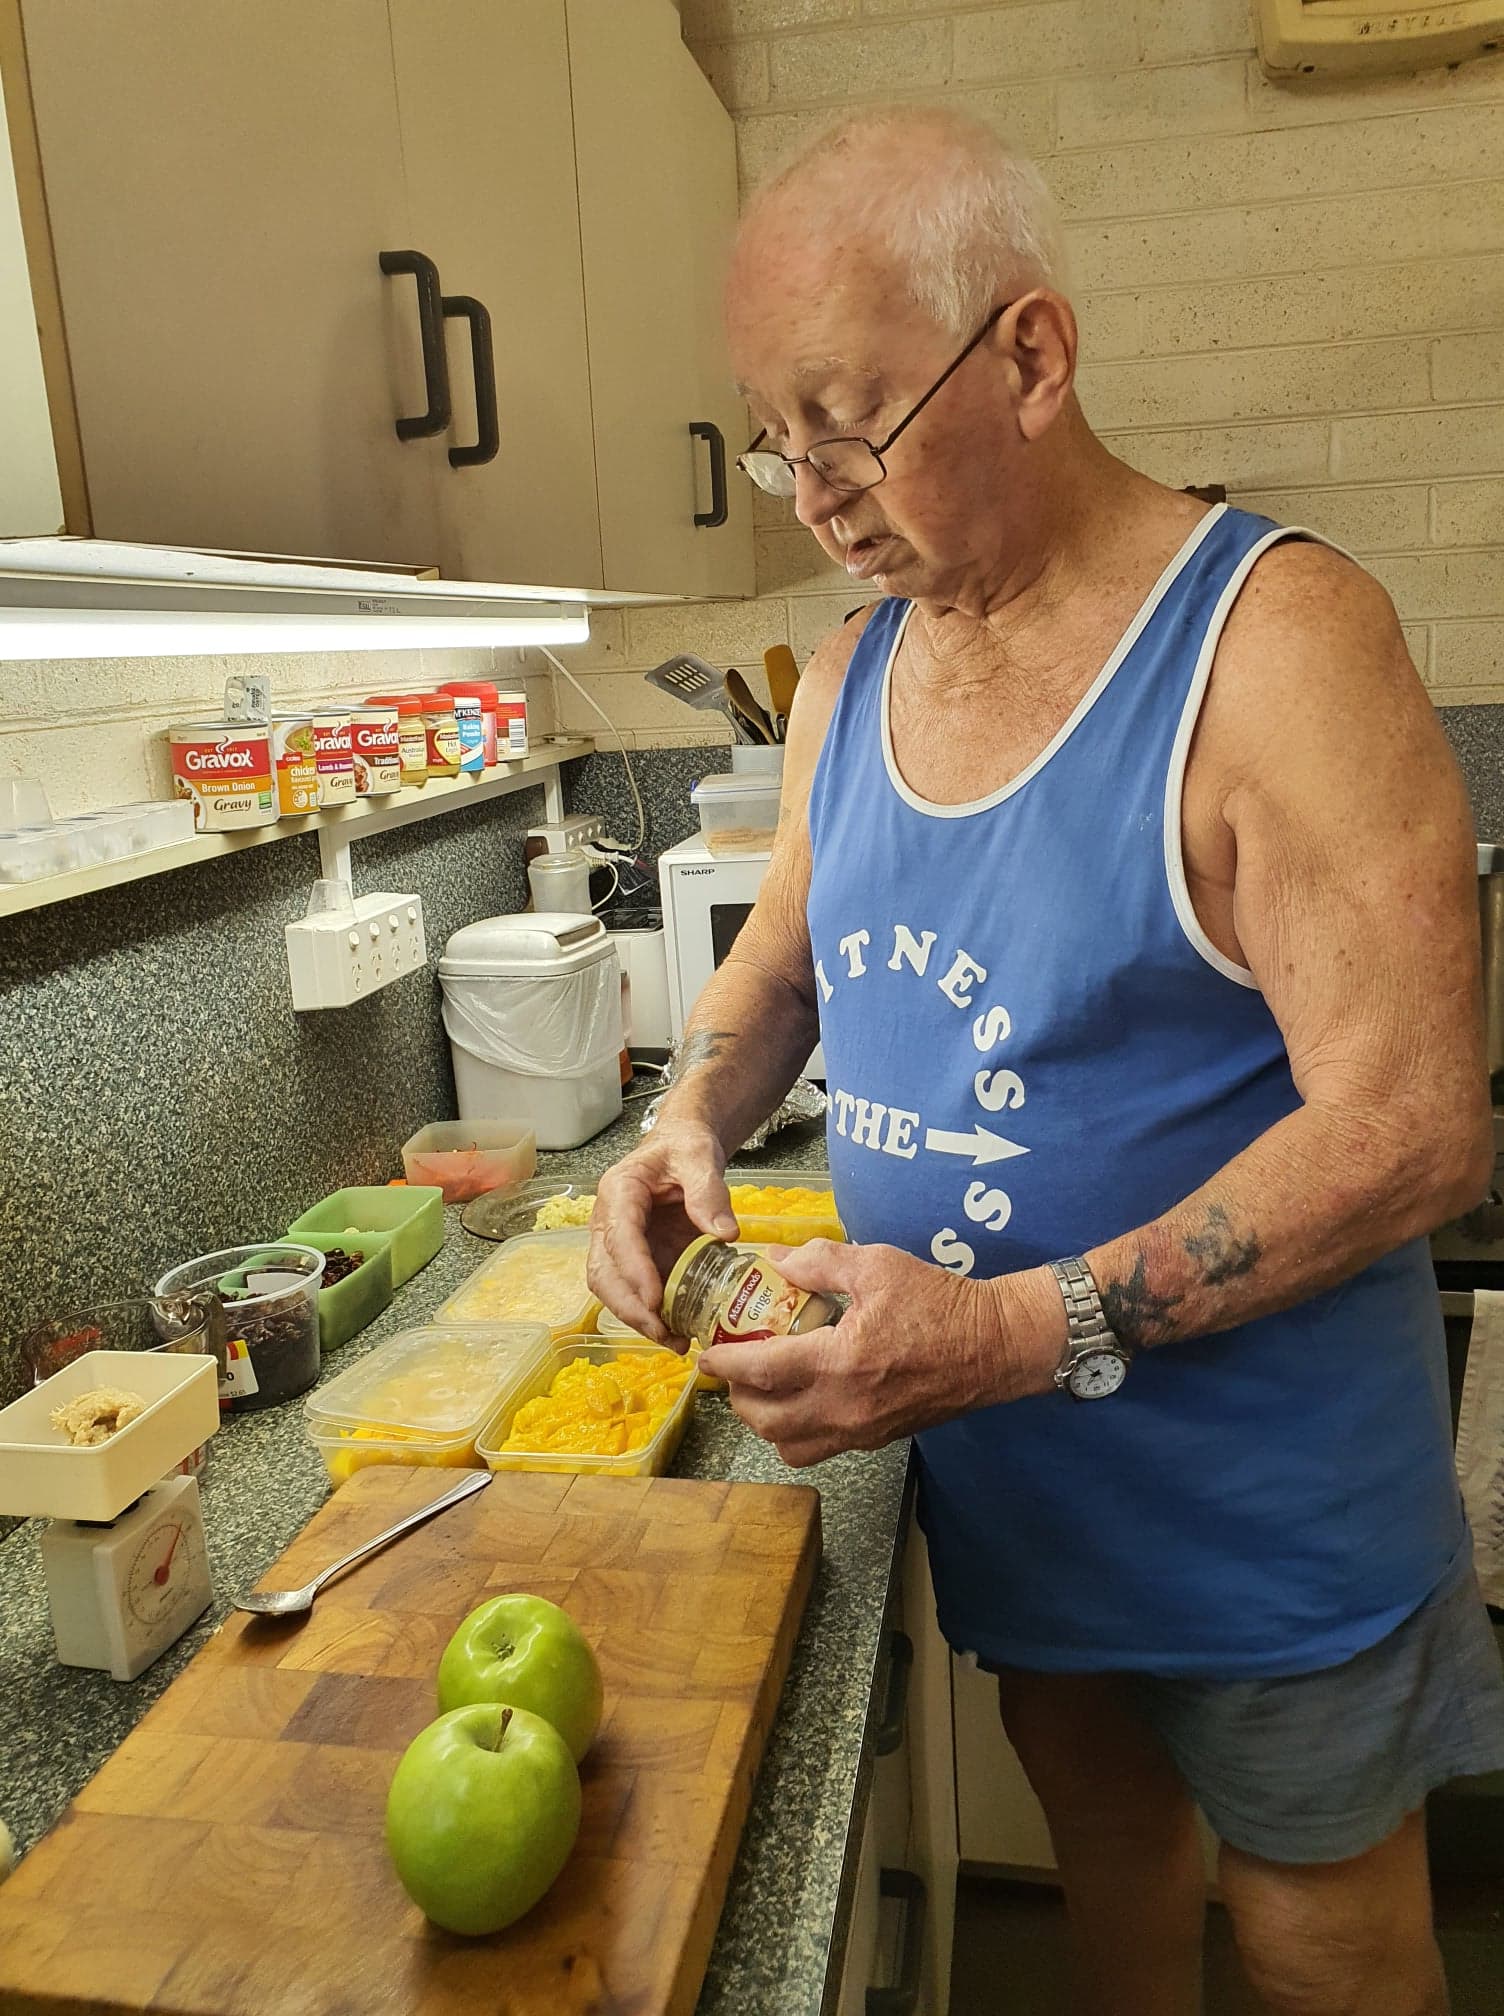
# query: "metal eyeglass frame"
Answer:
x=876 y=449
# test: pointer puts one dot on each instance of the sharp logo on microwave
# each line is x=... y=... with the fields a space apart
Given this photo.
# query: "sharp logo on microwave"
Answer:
x=687 y=872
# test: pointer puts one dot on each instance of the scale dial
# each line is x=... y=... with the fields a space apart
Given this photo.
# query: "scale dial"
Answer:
x=166 y=1573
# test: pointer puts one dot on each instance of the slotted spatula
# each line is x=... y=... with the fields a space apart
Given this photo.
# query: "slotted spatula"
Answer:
x=690 y=679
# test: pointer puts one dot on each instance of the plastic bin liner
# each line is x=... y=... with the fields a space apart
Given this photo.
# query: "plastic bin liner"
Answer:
x=554 y=1026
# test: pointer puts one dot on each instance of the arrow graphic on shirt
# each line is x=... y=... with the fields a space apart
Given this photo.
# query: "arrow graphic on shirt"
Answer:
x=981 y=1144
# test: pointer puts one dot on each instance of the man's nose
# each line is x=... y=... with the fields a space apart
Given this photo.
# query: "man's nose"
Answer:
x=815 y=503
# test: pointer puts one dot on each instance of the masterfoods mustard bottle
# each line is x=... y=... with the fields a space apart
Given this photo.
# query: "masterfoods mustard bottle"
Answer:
x=720 y=1294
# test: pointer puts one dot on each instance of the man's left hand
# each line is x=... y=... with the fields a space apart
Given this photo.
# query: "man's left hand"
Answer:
x=917 y=1346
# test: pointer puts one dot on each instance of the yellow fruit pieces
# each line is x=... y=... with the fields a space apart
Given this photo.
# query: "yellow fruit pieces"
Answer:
x=763 y=1212
x=342 y=1462
x=602 y=1410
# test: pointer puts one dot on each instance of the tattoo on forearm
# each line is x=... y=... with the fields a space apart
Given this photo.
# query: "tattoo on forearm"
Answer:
x=1219 y=1251
x=1136 y=1314
x=705 y=1047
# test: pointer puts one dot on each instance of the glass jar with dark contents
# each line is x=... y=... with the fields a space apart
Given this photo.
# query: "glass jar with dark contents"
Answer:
x=270 y=1298
x=719 y=1294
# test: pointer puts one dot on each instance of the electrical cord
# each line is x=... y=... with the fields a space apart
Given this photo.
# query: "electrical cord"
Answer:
x=590 y=701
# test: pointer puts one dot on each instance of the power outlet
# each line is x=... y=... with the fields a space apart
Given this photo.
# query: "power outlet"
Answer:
x=571 y=831
x=335 y=960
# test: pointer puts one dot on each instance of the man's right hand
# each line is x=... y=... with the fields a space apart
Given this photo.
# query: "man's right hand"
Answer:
x=648 y=1208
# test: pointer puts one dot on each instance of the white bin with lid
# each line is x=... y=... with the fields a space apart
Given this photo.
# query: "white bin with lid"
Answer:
x=532 y=1005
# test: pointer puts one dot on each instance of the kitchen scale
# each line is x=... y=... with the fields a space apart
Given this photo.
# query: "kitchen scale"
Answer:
x=124 y=1554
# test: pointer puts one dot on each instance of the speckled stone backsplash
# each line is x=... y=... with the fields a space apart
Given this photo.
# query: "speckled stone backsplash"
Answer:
x=665 y=778
x=158 y=1096
x=1477 y=738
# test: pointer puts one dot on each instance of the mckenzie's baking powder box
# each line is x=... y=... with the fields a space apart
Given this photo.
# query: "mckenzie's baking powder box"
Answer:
x=224 y=770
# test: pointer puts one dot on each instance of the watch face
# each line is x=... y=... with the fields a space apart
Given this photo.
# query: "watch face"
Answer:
x=1097 y=1374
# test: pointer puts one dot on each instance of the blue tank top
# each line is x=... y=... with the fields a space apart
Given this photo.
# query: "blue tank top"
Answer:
x=1032 y=1047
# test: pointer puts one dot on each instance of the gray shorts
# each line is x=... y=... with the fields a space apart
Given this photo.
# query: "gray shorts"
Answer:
x=1322 y=1766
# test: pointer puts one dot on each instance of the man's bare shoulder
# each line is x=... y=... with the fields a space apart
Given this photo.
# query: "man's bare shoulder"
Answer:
x=814 y=703
x=1312 y=661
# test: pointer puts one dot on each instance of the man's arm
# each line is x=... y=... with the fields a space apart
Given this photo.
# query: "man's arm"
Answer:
x=1355 y=907
x=746 y=1042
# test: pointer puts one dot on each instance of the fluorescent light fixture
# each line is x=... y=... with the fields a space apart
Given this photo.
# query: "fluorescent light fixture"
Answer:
x=63 y=598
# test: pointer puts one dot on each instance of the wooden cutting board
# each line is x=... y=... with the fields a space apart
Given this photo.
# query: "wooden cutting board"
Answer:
x=228 y=1860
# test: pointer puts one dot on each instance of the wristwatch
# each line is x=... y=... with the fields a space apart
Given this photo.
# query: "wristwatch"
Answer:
x=1095 y=1361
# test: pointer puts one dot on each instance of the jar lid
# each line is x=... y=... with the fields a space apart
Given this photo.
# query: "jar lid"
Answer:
x=405 y=703
x=439 y=700
x=477 y=689
x=681 y=1267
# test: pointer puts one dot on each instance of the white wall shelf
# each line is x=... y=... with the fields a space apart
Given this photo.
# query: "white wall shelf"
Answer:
x=337 y=829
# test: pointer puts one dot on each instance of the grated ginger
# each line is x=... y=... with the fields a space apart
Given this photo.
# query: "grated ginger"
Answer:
x=557 y=1214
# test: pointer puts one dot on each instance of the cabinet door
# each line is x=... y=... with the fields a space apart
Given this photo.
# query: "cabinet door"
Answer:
x=657 y=201
x=484 y=102
x=30 y=500
x=220 y=180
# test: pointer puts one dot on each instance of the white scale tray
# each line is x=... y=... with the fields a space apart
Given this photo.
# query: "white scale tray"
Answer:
x=42 y=1476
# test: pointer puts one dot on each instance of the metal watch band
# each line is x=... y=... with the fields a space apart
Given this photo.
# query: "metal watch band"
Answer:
x=1086 y=1325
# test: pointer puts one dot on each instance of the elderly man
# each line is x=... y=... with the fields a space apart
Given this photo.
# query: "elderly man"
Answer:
x=1126 y=879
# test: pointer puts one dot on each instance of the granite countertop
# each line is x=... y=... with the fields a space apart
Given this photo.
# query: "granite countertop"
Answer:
x=787 y=1905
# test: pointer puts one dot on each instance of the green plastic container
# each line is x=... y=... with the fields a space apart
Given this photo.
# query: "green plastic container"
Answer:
x=413 y=1214
x=351 y=1304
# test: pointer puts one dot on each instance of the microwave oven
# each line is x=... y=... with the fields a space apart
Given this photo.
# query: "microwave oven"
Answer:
x=706 y=900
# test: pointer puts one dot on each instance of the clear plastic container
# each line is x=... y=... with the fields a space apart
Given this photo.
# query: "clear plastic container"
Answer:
x=651 y=1460
x=612 y=1327
x=465 y=1158
x=422 y=1397
x=738 y=814
x=507 y=1214
x=538 y=1278
x=763 y=1223
x=270 y=1295
x=27 y=853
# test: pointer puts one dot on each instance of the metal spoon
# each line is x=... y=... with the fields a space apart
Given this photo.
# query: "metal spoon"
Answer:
x=292 y=1602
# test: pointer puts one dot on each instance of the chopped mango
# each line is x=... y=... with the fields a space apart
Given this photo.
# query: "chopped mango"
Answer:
x=602 y=1410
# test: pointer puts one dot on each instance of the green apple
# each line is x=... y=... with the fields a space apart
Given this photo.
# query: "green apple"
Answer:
x=528 y=1652
x=481 y=1816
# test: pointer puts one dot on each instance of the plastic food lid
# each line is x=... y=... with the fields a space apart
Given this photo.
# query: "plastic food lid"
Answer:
x=740 y=784
x=571 y=1298
x=441 y=1380
x=405 y=703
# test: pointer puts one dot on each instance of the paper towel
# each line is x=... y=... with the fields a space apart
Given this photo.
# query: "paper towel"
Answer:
x=1480 y=1440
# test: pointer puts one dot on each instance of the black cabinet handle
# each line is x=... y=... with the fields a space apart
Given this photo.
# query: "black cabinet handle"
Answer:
x=902 y=1999
x=431 y=326
x=889 y=1733
x=706 y=430
x=483 y=362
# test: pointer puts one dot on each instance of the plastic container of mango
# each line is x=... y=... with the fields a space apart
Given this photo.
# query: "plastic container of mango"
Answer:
x=424 y=1396
x=537 y=1278
x=612 y=1327
x=616 y=1409
x=783 y=1207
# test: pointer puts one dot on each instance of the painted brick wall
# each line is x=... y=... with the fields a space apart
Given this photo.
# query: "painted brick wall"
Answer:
x=1299 y=293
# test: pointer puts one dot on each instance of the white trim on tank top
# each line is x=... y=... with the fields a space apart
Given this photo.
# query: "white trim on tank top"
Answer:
x=1190 y=714
x=1078 y=714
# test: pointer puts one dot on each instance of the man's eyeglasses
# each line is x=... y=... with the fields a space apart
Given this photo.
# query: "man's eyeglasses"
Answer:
x=847 y=462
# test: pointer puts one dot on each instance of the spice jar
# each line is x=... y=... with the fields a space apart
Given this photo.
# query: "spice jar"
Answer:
x=484 y=693
x=719 y=1294
x=443 y=735
x=412 y=736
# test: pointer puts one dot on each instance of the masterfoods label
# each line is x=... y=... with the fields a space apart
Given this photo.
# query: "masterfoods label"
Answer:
x=764 y=1305
x=224 y=770
x=334 y=749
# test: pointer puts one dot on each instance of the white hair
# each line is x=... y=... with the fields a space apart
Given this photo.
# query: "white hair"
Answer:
x=961 y=214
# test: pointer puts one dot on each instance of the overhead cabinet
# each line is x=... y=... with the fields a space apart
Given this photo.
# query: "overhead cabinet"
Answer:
x=429 y=282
